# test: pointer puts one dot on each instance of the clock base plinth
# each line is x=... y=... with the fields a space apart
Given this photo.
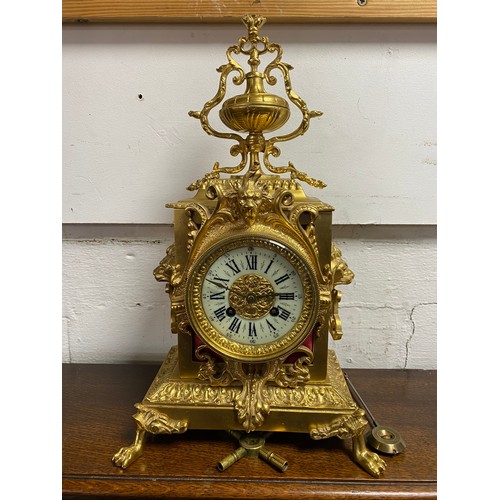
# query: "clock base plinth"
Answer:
x=322 y=409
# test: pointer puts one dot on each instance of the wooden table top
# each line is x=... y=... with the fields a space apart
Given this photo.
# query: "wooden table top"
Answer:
x=97 y=409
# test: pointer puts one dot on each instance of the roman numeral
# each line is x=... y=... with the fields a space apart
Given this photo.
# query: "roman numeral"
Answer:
x=220 y=313
x=286 y=296
x=251 y=262
x=217 y=296
x=284 y=314
x=269 y=266
x=252 y=331
x=233 y=266
x=271 y=327
x=235 y=325
x=281 y=279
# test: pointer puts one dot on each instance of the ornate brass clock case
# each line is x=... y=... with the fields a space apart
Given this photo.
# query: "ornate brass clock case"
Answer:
x=252 y=277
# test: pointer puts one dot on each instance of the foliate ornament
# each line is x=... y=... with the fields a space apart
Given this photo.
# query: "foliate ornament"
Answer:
x=248 y=286
x=194 y=211
x=344 y=427
x=156 y=422
x=294 y=374
x=252 y=403
x=253 y=398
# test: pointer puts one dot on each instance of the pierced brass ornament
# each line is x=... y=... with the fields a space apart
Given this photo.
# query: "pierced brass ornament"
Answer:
x=252 y=277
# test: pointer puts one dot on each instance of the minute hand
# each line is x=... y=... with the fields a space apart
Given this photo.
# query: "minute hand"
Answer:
x=220 y=285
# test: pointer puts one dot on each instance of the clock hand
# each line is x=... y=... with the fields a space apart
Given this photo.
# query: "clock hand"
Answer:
x=220 y=285
x=272 y=294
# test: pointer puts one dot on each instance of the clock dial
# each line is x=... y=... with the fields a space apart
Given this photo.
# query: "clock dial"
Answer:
x=252 y=298
x=252 y=295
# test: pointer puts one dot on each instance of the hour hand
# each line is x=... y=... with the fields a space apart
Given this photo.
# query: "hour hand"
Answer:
x=265 y=295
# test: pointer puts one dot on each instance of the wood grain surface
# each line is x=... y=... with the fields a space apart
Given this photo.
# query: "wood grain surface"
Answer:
x=291 y=11
x=97 y=408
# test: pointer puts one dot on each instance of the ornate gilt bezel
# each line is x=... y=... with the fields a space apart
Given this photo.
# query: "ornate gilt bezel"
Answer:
x=247 y=352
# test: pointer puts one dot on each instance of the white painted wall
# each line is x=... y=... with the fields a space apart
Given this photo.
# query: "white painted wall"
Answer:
x=375 y=145
x=123 y=158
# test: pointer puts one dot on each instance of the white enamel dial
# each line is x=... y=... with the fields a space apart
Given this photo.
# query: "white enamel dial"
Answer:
x=252 y=299
x=252 y=295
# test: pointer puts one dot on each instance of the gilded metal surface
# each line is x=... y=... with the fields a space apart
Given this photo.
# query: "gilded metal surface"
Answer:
x=221 y=390
x=338 y=273
x=352 y=426
x=287 y=380
x=129 y=454
x=244 y=388
x=168 y=270
x=218 y=339
x=155 y=422
x=256 y=110
x=323 y=409
x=253 y=400
x=252 y=445
x=147 y=420
x=252 y=296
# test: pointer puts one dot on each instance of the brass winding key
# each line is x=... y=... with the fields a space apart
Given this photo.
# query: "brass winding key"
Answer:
x=252 y=445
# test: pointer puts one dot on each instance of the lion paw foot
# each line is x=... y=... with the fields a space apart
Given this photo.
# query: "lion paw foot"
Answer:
x=371 y=463
x=127 y=455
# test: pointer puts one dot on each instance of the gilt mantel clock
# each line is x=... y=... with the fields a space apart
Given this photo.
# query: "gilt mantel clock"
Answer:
x=252 y=278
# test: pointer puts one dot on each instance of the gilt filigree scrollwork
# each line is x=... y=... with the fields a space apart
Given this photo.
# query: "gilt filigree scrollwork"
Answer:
x=256 y=111
x=271 y=148
x=343 y=427
x=303 y=217
x=252 y=404
x=251 y=401
x=197 y=215
x=210 y=369
x=156 y=422
x=294 y=374
x=254 y=397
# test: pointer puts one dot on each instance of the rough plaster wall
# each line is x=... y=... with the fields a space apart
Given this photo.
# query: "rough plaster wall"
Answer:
x=114 y=310
x=389 y=311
